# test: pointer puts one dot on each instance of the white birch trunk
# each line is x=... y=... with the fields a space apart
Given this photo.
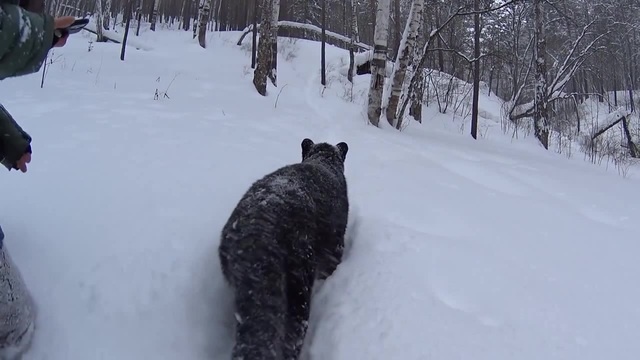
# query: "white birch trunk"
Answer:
x=354 y=40
x=264 y=51
x=416 y=94
x=203 y=18
x=406 y=56
x=540 y=119
x=99 y=27
x=273 y=71
x=154 y=14
x=106 y=18
x=196 y=20
x=379 y=62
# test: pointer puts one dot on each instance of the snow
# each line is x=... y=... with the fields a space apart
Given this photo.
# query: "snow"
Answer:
x=458 y=249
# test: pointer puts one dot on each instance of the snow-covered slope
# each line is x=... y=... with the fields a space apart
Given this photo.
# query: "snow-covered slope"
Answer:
x=492 y=249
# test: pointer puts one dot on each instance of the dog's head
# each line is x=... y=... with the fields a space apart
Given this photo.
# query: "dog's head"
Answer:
x=324 y=151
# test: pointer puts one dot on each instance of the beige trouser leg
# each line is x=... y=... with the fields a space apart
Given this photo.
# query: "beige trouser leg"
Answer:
x=17 y=311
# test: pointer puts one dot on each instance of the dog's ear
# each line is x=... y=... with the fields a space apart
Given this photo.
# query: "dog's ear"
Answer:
x=344 y=148
x=306 y=145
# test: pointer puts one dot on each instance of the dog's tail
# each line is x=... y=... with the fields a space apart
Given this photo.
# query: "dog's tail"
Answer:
x=258 y=279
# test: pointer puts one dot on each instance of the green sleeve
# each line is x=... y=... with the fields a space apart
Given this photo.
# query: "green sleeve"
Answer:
x=25 y=40
x=14 y=141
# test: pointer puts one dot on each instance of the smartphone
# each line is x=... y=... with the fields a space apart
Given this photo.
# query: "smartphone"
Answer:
x=77 y=25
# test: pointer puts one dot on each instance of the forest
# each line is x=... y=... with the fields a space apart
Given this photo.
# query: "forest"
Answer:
x=566 y=70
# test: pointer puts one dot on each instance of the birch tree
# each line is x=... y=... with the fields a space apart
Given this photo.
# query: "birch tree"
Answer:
x=379 y=62
x=405 y=59
x=154 y=14
x=540 y=115
x=549 y=88
x=203 y=18
x=106 y=18
x=417 y=95
x=273 y=39
x=263 y=67
x=354 y=39
x=99 y=18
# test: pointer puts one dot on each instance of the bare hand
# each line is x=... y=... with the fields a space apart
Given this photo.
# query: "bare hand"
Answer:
x=22 y=163
x=62 y=23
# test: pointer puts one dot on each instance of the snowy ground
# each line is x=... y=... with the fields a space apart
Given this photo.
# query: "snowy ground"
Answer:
x=461 y=249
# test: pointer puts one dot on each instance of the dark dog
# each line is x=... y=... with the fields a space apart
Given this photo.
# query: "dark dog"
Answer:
x=286 y=232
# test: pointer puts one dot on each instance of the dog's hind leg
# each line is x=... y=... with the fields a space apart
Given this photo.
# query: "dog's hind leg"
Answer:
x=300 y=279
x=260 y=313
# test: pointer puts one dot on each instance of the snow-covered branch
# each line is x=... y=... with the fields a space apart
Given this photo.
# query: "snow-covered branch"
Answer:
x=490 y=9
x=572 y=63
x=460 y=54
x=569 y=65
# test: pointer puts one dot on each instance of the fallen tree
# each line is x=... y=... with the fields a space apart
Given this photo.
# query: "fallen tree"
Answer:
x=308 y=32
x=115 y=37
x=106 y=37
x=620 y=115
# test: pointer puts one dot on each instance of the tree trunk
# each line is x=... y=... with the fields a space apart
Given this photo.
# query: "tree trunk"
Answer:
x=354 y=39
x=275 y=15
x=127 y=16
x=631 y=84
x=440 y=44
x=633 y=150
x=202 y=22
x=379 y=62
x=397 y=37
x=406 y=54
x=254 y=43
x=154 y=14
x=476 y=70
x=417 y=93
x=264 y=50
x=139 y=17
x=99 y=25
x=106 y=17
x=323 y=69
x=497 y=90
x=615 y=88
x=186 y=14
x=415 y=109
x=540 y=116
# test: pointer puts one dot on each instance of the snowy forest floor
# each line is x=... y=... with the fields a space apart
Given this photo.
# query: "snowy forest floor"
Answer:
x=459 y=249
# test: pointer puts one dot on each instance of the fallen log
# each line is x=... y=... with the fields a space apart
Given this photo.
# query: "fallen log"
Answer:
x=115 y=37
x=308 y=32
x=620 y=115
x=105 y=36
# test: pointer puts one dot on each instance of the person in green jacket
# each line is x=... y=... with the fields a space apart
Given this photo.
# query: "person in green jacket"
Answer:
x=25 y=39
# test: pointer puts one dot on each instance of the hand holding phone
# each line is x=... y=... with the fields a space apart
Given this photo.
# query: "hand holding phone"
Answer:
x=64 y=32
